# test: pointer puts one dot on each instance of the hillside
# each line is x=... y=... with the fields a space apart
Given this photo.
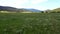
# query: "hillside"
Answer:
x=33 y=10
x=57 y=9
x=13 y=9
x=6 y=8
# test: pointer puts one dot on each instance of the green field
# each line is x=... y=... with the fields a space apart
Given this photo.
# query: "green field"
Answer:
x=32 y=23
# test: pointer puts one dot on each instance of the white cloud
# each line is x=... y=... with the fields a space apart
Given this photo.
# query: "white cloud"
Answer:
x=37 y=1
x=29 y=1
x=19 y=2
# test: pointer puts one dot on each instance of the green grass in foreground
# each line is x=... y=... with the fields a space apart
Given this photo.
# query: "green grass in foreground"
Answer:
x=32 y=23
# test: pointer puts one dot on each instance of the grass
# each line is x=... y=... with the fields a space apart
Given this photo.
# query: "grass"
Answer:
x=32 y=23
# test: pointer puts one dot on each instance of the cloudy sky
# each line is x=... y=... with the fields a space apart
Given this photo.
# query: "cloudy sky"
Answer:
x=36 y=4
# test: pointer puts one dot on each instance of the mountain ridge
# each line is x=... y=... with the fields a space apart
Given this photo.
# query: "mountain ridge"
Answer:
x=13 y=9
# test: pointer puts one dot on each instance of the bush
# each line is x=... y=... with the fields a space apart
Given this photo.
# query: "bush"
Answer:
x=42 y=11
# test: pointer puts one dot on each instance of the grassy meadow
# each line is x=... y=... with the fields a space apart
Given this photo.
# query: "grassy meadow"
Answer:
x=29 y=23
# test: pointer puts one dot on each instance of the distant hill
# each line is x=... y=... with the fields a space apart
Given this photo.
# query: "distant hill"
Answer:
x=6 y=8
x=11 y=9
x=33 y=10
x=57 y=9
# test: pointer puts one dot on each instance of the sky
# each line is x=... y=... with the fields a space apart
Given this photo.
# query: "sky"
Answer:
x=35 y=4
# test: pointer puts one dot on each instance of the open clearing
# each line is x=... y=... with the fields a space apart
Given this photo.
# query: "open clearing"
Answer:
x=32 y=23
